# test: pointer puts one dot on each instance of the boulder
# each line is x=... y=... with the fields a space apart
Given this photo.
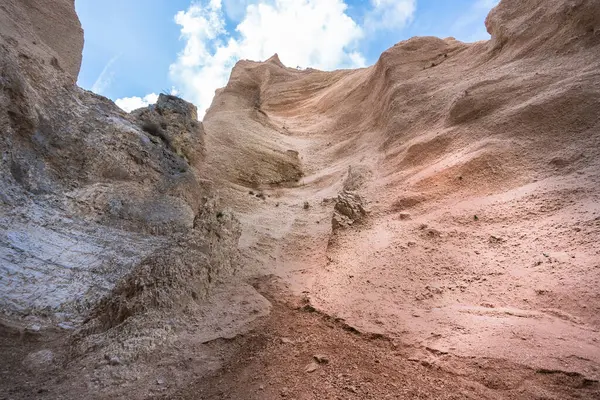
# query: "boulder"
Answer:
x=348 y=210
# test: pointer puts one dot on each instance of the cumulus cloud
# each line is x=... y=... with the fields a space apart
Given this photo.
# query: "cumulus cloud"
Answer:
x=132 y=103
x=306 y=33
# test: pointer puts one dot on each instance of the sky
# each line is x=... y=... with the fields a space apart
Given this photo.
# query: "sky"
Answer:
x=135 y=49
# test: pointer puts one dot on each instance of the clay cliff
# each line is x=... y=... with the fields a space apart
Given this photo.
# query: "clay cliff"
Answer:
x=426 y=227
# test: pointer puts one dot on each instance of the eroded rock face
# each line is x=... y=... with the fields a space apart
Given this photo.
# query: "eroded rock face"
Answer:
x=50 y=29
x=253 y=149
x=179 y=274
x=542 y=26
x=39 y=361
x=173 y=104
x=89 y=193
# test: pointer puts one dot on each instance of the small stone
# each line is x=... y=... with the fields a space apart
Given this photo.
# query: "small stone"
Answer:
x=496 y=239
x=321 y=359
x=348 y=210
x=66 y=325
x=160 y=381
x=312 y=367
x=404 y=216
x=39 y=360
x=286 y=341
x=350 y=389
x=114 y=361
x=261 y=387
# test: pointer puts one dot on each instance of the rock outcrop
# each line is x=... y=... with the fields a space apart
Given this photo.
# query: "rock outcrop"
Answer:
x=50 y=31
x=525 y=28
x=263 y=156
x=348 y=210
x=175 y=122
x=89 y=194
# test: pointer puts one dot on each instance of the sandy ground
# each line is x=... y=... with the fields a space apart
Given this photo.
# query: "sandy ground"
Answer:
x=300 y=353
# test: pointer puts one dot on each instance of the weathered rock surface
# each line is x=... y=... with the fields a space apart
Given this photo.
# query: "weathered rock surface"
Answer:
x=39 y=361
x=90 y=194
x=175 y=122
x=263 y=157
x=51 y=31
x=348 y=210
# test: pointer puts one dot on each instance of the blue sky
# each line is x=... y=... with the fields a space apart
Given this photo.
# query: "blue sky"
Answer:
x=137 y=48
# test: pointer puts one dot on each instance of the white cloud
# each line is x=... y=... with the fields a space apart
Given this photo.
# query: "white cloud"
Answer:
x=315 y=33
x=390 y=14
x=106 y=77
x=132 y=103
x=357 y=59
x=306 y=33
